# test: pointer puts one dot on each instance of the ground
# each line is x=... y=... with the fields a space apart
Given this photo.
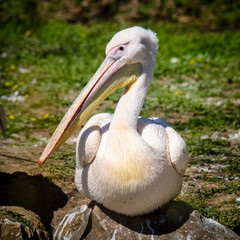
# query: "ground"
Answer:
x=19 y=163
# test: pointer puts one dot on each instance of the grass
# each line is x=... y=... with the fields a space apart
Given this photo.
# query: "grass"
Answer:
x=195 y=88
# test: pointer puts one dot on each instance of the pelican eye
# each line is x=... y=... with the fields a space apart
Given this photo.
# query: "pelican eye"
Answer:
x=121 y=48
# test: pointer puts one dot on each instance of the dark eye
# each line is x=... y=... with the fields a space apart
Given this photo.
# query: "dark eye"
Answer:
x=121 y=48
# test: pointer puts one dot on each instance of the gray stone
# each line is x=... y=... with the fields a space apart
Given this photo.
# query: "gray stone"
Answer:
x=176 y=221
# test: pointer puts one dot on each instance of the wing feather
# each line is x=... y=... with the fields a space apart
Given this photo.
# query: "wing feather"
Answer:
x=159 y=135
x=88 y=143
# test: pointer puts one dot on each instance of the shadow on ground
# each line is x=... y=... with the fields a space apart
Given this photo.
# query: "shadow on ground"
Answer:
x=161 y=221
x=35 y=193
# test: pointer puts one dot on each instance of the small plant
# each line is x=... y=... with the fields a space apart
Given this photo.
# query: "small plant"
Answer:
x=16 y=217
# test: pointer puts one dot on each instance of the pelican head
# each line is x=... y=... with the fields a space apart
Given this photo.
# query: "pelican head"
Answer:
x=129 y=54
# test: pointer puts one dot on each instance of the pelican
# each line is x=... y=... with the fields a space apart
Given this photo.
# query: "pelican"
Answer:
x=129 y=164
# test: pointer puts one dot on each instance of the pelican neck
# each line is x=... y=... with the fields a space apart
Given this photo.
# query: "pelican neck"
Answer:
x=130 y=104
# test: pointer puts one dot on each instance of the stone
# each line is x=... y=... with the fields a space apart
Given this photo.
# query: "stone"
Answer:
x=17 y=223
x=177 y=220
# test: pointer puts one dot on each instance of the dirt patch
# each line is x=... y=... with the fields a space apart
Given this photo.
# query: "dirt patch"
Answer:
x=222 y=201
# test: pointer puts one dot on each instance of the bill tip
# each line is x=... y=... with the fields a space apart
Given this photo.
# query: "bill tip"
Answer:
x=40 y=162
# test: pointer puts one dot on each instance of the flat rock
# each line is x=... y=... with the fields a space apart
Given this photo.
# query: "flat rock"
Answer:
x=177 y=221
x=17 y=223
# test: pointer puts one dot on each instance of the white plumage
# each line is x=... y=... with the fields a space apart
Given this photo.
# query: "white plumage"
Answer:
x=130 y=185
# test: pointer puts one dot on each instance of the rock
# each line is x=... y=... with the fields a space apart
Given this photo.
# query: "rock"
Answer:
x=176 y=221
x=17 y=223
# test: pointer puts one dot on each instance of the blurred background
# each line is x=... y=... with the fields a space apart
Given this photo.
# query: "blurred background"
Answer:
x=213 y=15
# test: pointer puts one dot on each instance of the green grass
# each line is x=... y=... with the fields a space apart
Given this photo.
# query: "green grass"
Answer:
x=16 y=217
x=195 y=88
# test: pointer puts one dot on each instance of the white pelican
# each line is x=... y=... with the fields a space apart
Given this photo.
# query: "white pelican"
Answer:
x=131 y=165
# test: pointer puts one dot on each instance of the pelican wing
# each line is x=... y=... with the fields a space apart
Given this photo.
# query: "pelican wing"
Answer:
x=177 y=151
x=88 y=142
x=160 y=136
